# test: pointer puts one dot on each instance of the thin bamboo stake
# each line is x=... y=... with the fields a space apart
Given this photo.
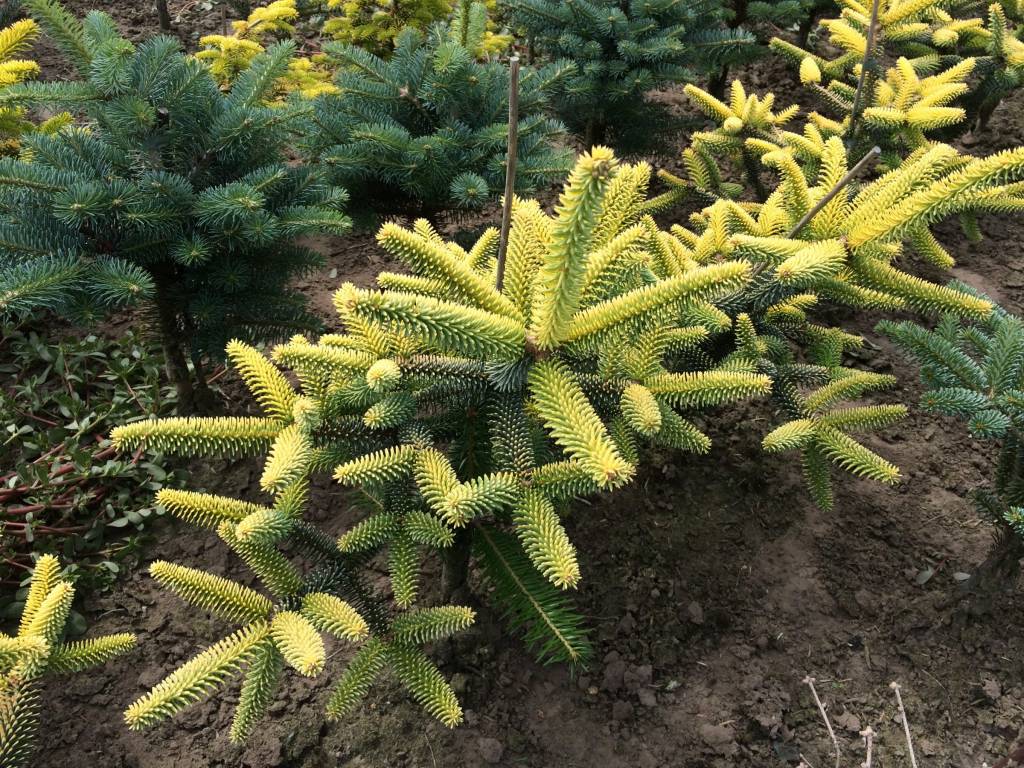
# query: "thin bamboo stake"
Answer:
x=850 y=176
x=510 y=168
x=864 y=65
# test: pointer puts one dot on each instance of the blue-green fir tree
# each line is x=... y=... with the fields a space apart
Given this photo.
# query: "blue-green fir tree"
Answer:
x=974 y=371
x=10 y=10
x=168 y=192
x=796 y=15
x=622 y=51
x=425 y=132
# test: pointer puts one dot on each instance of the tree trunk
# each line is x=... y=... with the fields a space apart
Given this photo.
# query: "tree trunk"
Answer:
x=455 y=569
x=596 y=132
x=203 y=397
x=985 y=114
x=1001 y=568
x=998 y=573
x=433 y=215
x=740 y=14
x=164 y=15
x=205 y=400
x=750 y=164
x=716 y=85
x=174 y=355
x=804 y=32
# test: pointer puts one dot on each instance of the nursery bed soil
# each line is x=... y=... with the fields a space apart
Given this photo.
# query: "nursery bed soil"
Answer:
x=714 y=587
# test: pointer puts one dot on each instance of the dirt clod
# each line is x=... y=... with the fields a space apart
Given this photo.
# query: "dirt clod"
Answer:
x=491 y=750
x=719 y=738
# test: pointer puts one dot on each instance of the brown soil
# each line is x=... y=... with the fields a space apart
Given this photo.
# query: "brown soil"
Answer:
x=714 y=587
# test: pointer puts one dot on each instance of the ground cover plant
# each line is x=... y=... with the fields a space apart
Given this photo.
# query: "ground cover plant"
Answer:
x=64 y=489
x=173 y=193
